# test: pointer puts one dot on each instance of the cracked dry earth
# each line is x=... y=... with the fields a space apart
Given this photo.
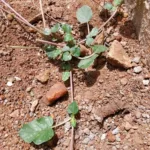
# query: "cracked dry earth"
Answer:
x=126 y=129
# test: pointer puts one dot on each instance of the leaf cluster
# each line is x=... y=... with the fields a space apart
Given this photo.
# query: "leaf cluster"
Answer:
x=113 y=6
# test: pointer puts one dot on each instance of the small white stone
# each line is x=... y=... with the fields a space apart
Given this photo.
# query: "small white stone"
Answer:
x=9 y=83
x=103 y=137
x=137 y=69
x=146 y=82
x=17 y=78
x=115 y=131
x=136 y=60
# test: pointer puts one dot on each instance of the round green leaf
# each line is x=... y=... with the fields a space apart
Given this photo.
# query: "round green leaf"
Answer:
x=55 y=28
x=93 y=32
x=108 y=6
x=66 y=56
x=47 y=31
x=89 y=41
x=68 y=37
x=66 y=66
x=99 y=48
x=65 y=75
x=117 y=2
x=75 y=51
x=84 y=14
x=85 y=63
x=66 y=28
x=37 y=131
x=73 y=108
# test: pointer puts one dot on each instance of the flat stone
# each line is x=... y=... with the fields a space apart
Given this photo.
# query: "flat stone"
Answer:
x=43 y=76
x=124 y=81
x=137 y=69
x=118 y=57
x=111 y=137
x=127 y=126
x=136 y=60
x=56 y=91
x=14 y=114
x=146 y=82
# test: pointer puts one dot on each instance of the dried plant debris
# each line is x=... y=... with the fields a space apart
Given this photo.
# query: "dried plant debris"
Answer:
x=110 y=109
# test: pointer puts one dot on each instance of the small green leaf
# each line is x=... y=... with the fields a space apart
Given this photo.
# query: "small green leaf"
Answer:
x=89 y=41
x=73 y=121
x=68 y=37
x=66 y=66
x=66 y=56
x=66 y=28
x=113 y=8
x=84 y=14
x=75 y=51
x=47 y=31
x=93 y=32
x=52 y=52
x=66 y=48
x=37 y=131
x=99 y=48
x=65 y=75
x=85 y=63
x=108 y=6
x=55 y=28
x=117 y=2
x=73 y=108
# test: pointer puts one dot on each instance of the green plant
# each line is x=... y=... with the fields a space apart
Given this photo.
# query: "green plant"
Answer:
x=41 y=130
x=113 y=6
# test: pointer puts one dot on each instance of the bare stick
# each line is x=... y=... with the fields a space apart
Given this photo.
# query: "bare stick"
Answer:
x=43 y=18
x=23 y=47
x=51 y=43
x=88 y=27
x=66 y=120
x=72 y=99
x=101 y=27
x=21 y=18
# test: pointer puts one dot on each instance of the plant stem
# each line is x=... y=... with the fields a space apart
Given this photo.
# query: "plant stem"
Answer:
x=23 y=47
x=72 y=99
x=20 y=17
x=55 y=126
x=43 y=18
x=101 y=27
x=82 y=58
x=51 y=43
x=88 y=27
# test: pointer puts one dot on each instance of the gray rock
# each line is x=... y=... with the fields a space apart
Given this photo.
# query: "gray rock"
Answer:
x=146 y=82
x=137 y=69
x=115 y=131
x=136 y=60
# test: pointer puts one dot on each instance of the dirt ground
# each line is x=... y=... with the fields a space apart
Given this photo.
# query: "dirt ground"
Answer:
x=128 y=129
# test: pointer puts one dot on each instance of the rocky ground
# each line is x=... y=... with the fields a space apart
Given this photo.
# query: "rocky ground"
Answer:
x=113 y=95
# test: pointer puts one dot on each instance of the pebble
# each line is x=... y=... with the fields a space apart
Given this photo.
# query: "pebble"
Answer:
x=34 y=105
x=9 y=83
x=14 y=114
x=43 y=76
x=17 y=78
x=91 y=136
x=137 y=69
x=146 y=116
x=136 y=60
x=103 y=137
x=67 y=126
x=127 y=126
x=111 y=137
x=28 y=89
x=56 y=91
x=124 y=81
x=86 y=141
x=146 y=82
x=137 y=114
x=115 y=131
x=118 y=138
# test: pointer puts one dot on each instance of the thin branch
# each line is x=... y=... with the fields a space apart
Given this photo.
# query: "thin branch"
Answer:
x=20 y=17
x=66 y=120
x=88 y=27
x=82 y=58
x=51 y=43
x=72 y=99
x=43 y=18
x=23 y=47
x=101 y=27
